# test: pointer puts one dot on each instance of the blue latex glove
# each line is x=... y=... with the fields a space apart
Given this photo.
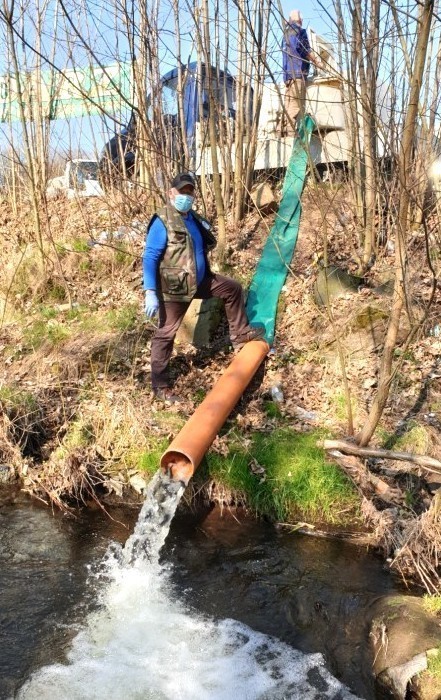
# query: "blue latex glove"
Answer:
x=151 y=305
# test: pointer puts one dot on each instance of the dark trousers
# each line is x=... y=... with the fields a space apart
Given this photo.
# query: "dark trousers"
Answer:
x=171 y=314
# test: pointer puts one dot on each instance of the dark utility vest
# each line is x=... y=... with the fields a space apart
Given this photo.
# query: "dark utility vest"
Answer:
x=177 y=268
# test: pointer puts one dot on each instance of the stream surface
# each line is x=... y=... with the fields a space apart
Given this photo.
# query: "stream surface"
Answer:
x=232 y=608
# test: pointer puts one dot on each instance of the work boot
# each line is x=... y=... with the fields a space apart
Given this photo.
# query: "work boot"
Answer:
x=166 y=395
x=252 y=333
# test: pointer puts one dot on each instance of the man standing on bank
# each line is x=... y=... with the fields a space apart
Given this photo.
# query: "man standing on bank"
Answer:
x=296 y=53
x=176 y=270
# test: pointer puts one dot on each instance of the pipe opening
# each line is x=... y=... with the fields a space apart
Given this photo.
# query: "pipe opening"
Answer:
x=177 y=465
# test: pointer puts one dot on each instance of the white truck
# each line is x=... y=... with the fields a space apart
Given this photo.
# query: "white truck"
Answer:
x=325 y=101
x=80 y=179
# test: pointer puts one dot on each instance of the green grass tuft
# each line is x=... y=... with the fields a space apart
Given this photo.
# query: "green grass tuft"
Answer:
x=47 y=311
x=55 y=292
x=199 y=396
x=432 y=603
x=434 y=664
x=340 y=403
x=415 y=439
x=42 y=331
x=149 y=461
x=80 y=245
x=123 y=319
x=17 y=400
x=79 y=435
x=272 y=410
x=296 y=477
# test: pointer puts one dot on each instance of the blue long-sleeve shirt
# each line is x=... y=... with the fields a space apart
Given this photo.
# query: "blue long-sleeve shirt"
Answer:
x=295 y=52
x=156 y=243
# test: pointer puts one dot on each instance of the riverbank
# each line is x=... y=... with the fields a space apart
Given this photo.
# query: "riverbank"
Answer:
x=79 y=423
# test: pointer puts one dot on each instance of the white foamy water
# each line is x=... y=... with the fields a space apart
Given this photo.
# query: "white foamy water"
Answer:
x=142 y=643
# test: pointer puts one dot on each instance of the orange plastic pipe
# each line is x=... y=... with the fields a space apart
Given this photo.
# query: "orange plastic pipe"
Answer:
x=186 y=451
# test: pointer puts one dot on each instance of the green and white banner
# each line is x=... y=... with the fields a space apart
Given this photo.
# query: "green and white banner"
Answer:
x=73 y=92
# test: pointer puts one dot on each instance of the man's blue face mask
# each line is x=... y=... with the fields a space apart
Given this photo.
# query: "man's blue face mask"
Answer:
x=183 y=203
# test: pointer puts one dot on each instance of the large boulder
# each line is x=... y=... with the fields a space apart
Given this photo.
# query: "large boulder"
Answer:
x=263 y=198
x=199 y=322
x=332 y=282
x=402 y=634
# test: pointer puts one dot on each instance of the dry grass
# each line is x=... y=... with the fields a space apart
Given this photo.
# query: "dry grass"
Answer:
x=110 y=436
x=75 y=480
x=417 y=544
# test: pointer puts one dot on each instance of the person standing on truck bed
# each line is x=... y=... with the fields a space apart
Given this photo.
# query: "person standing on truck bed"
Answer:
x=296 y=53
x=175 y=271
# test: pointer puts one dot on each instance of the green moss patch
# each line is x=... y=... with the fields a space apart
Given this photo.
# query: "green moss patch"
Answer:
x=14 y=399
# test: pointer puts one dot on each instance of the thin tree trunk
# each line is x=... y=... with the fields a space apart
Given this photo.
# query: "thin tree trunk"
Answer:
x=30 y=160
x=355 y=155
x=368 y=140
x=217 y=185
x=238 y=201
x=404 y=166
x=260 y=41
x=180 y=90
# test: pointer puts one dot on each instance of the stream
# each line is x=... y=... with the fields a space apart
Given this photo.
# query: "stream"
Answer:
x=229 y=607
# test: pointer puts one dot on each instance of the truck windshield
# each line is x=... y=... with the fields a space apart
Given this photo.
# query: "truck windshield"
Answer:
x=89 y=169
x=81 y=171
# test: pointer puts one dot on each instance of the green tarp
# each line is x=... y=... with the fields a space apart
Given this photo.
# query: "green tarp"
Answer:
x=278 y=251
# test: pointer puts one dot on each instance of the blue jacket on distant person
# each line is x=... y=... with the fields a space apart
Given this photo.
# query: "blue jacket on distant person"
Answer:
x=295 y=52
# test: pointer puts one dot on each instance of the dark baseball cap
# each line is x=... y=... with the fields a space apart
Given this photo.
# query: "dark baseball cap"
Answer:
x=182 y=179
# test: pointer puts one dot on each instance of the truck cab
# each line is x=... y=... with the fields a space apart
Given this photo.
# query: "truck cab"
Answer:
x=80 y=179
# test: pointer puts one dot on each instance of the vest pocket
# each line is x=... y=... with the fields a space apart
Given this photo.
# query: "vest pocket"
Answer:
x=175 y=280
